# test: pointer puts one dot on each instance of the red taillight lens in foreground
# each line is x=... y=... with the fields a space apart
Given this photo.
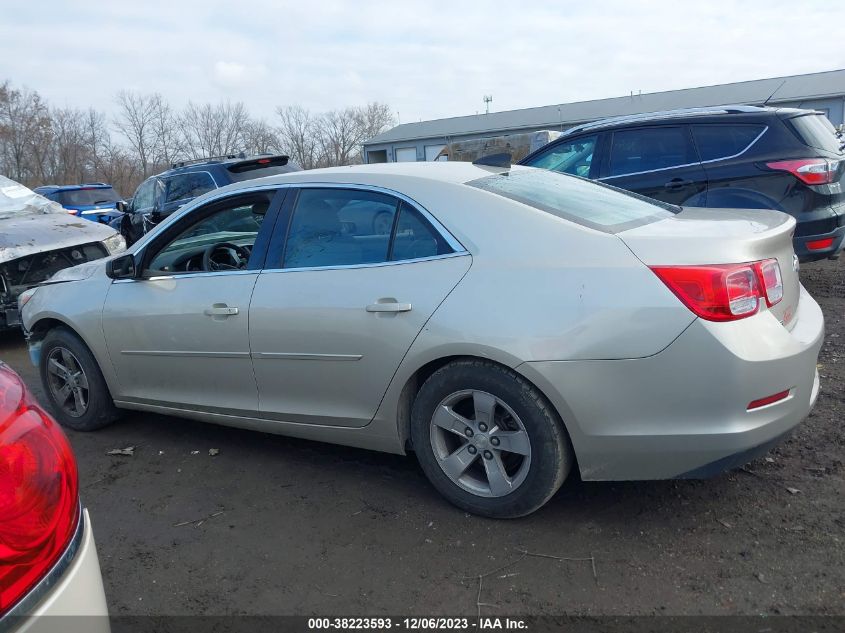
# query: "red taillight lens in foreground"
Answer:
x=811 y=171
x=819 y=245
x=39 y=491
x=762 y=402
x=724 y=292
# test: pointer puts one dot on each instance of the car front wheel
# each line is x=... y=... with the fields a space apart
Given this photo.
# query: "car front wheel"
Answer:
x=488 y=440
x=73 y=382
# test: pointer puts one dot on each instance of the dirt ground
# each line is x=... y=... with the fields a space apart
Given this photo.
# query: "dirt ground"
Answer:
x=296 y=527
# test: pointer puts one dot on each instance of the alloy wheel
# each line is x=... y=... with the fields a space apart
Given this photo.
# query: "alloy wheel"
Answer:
x=480 y=443
x=67 y=382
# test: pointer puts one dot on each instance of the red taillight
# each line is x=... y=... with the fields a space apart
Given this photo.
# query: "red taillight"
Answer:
x=819 y=245
x=264 y=161
x=762 y=402
x=724 y=292
x=811 y=171
x=39 y=491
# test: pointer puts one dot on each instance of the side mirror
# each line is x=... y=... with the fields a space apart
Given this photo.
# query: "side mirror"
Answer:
x=121 y=206
x=122 y=267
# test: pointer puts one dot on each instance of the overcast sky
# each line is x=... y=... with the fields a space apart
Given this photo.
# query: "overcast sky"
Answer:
x=426 y=58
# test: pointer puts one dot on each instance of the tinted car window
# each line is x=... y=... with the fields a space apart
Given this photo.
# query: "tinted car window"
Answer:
x=648 y=149
x=189 y=185
x=339 y=227
x=721 y=141
x=591 y=204
x=817 y=131
x=85 y=197
x=415 y=237
x=144 y=196
x=570 y=157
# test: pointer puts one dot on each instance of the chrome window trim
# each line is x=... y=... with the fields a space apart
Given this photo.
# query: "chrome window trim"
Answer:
x=189 y=275
x=27 y=604
x=371 y=265
x=701 y=162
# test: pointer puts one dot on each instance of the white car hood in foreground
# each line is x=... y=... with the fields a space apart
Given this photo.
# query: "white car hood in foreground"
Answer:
x=26 y=234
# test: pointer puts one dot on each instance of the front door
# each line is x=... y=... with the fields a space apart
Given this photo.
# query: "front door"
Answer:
x=360 y=274
x=178 y=335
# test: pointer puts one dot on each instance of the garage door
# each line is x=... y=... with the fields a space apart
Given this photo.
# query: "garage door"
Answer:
x=406 y=154
x=431 y=152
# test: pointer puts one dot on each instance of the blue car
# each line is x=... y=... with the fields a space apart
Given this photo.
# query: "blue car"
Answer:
x=95 y=201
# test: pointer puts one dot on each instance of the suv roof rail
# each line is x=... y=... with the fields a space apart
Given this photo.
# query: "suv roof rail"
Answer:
x=102 y=184
x=207 y=159
x=665 y=114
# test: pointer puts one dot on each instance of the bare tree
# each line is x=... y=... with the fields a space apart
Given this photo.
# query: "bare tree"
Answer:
x=260 y=138
x=24 y=129
x=375 y=118
x=340 y=137
x=299 y=135
x=134 y=121
x=214 y=130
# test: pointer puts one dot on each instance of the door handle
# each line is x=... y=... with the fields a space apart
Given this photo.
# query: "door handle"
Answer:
x=389 y=307
x=220 y=310
x=677 y=183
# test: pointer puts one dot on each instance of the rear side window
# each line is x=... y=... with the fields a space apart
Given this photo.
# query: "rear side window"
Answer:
x=816 y=131
x=186 y=186
x=570 y=157
x=584 y=202
x=416 y=238
x=649 y=149
x=721 y=141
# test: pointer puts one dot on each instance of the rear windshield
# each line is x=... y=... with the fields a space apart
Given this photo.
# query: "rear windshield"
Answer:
x=87 y=197
x=817 y=131
x=596 y=205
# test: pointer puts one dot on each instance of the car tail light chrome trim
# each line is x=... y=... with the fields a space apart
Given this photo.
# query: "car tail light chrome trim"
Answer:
x=810 y=171
x=772 y=399
x=724 y=292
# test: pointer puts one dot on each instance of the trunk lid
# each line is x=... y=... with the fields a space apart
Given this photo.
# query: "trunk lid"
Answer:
x=699 y=236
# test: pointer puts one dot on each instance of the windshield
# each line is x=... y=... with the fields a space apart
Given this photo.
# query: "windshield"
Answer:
x=584 y=202
x=87 y=197
x=15 y=200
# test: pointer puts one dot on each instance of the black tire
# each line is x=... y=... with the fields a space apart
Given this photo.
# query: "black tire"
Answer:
x=551 y=455
x=100 y=410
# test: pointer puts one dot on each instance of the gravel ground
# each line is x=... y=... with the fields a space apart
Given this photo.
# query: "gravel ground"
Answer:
x=283 y=526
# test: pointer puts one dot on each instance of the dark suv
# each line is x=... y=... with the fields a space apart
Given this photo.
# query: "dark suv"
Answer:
x=160 y=195
x=729 y=157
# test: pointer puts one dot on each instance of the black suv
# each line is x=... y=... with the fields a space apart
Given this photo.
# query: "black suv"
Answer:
x=729 y=157
x=160 y=195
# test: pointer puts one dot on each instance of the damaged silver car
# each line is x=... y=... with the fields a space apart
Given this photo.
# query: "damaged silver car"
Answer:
x=38 y=238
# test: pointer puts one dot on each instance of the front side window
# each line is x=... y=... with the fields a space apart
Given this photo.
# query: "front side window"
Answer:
x=570 y=157
x=721 y=141
x=650 y=149
x=220 y=239
x=188 y=186
x=584 y=202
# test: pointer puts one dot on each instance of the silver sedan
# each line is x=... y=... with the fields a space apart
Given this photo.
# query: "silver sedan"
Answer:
x=505 y=324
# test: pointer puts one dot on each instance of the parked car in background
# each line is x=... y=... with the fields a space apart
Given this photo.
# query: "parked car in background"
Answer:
x=93 y=201
x=160 y=195
x=37 y=239
x=732 y=157
x=48 y=558
x=510 y=322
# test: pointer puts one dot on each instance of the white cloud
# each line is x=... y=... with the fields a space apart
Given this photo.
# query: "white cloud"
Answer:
x=235 y=75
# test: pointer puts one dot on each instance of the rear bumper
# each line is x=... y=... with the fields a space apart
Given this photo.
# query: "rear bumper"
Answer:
x=807 y=254
x=73 y=588
x=683 y=412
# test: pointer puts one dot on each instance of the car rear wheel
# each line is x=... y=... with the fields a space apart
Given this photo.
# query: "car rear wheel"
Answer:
x=488 y=440
x=74 y=384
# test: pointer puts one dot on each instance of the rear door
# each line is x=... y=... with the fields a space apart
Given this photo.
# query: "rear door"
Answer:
x=342 y=300
x=659 y=162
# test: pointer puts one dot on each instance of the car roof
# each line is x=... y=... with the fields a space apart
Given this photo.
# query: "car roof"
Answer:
x=716 y=113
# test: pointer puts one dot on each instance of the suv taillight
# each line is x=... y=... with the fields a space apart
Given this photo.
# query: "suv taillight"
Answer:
x=724 y=292
x=810 y=171
x=39 y=491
